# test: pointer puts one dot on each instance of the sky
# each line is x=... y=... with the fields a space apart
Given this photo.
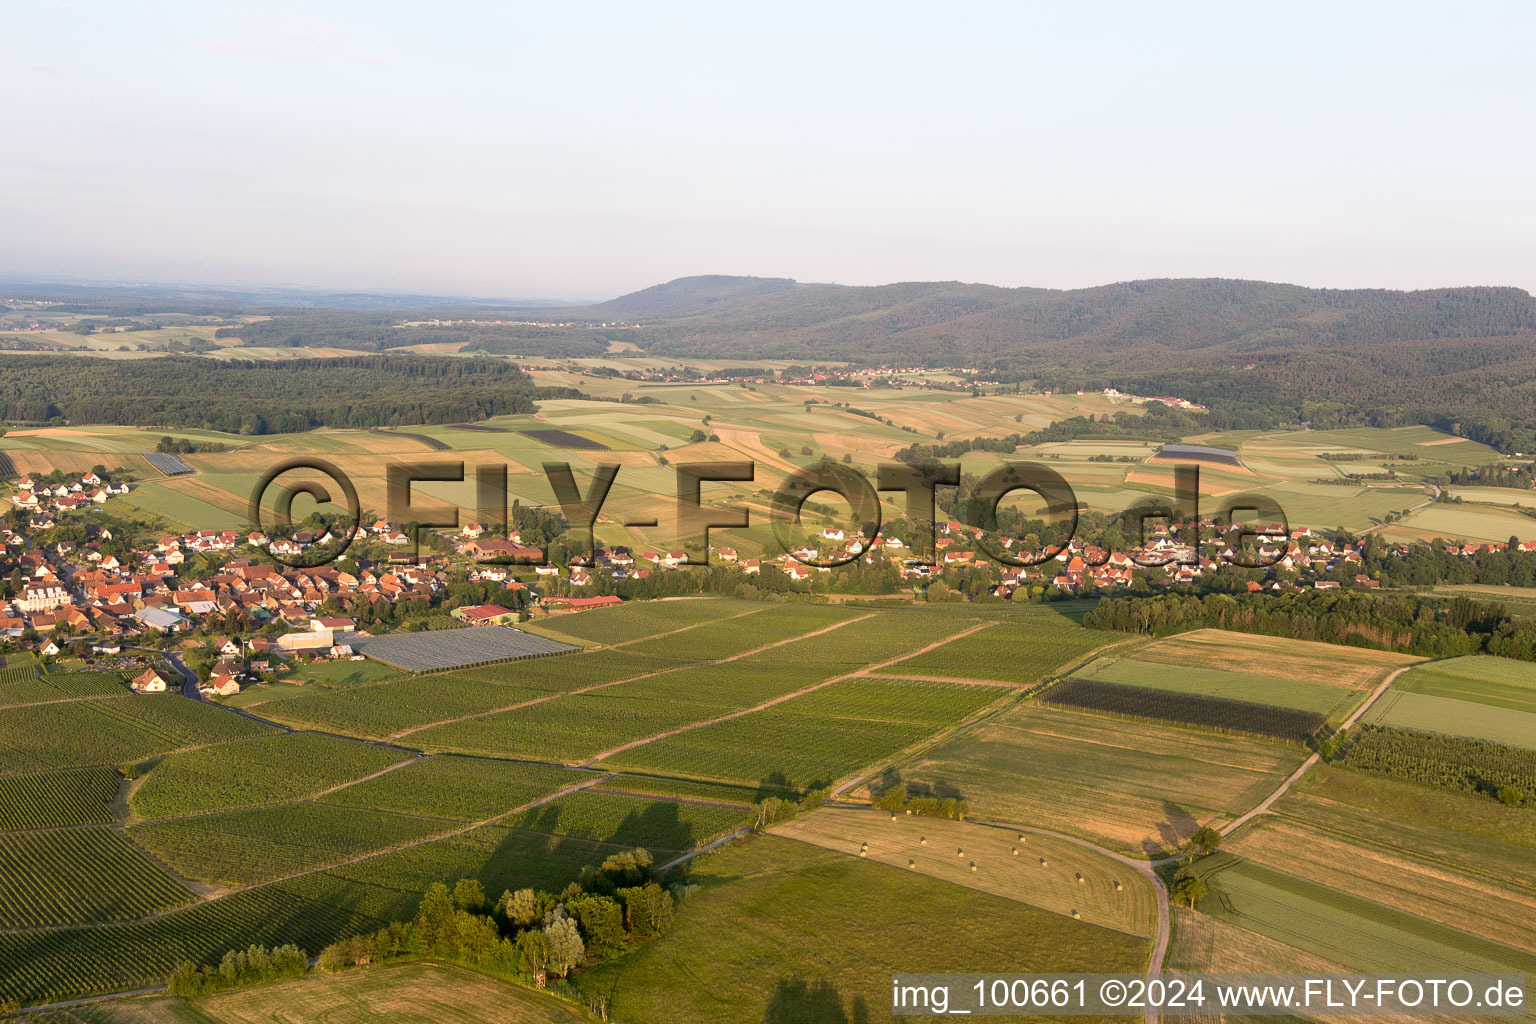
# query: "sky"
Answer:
x=583 y=150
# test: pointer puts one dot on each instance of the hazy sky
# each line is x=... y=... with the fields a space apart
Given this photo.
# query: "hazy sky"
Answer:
x=582 y=150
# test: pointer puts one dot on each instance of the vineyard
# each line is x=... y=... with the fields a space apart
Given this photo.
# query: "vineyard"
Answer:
x=460 y=788
x=897 y=700
x=378 y=710
x=268 y=769
x=74 y=875
x=1444 y=762
x=76 y=796
x=245 y=847
x=41 y=966
x=1185 y=708
x=502 y=858
x=776 y=746
x=566 y=729
x=1020 y=652
x=630 y=821
x=636 y=620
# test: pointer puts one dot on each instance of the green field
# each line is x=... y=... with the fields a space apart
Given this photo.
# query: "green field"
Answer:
x=1018 y=650
x=630 y=821
x=637 y=620
x=777 y=746
x=244 y=847
x=459 y=788
x=112 y=730
x=1496 y=682
x=78 y=796
x=1360 y=934
x=739 y=949
x=74 y=875
x=409 y=993
x=1336 y=701
x=1444 y=857
x=377 y=710
x=1454 y=716
x=266 y=770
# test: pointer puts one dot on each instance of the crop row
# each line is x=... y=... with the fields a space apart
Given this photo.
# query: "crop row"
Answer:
x=76 y=796
x=387 y=708
x=115 y=730
x=566 y=729
x=730 y=637
x=631 y=821
x=267 y=769
x=461 y=788
x=897 y=700
x=1445 y=762
x=70 y=963
x=775 y=747
x=1186 y=708
x=1021 y=652
x=244 y=847
x=73 y=875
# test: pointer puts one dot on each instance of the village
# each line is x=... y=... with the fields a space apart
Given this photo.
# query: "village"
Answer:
x=94 y=595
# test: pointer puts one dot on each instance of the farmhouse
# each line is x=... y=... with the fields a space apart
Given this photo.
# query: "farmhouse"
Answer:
x=149 y=681
x=484 y=615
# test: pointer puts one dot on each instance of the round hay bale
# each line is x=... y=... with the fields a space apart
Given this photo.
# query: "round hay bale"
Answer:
x=973 y=865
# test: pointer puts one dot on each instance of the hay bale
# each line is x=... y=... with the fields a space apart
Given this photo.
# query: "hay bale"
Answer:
x=973 y=865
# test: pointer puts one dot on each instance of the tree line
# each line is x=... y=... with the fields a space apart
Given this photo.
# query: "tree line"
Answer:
x=262 y=397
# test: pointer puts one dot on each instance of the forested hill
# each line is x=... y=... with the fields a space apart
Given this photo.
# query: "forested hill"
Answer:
x=1257 y=354
x=987 y=326
x=247 y=397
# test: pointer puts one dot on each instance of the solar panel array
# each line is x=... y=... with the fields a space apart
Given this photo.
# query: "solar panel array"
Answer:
x=455 y=648
x=168 y=464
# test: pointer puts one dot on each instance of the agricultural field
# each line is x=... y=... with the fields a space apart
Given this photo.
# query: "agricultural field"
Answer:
x=1445 y=762
x=1432 y=870
x=411 y=993
x=74 y=796
x=259 y=844
x=640 y=620
x=1496 y=682
x=738 y=951
x=74 y=875
x=1216 y=713
x=1269 y=686
x=1138 y=788
x=1020 y=649
x=457 y=788
x=379 y=710
x=112 y=730
x=776 y=747
x=1360 y=934
x=1463 y=522
x=1453 y=716
x=1042 y=871
x=624 y=821
x=265 y=770
x=40 y=966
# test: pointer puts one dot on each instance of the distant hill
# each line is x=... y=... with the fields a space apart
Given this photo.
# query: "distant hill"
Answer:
x=1257 y=353
x=946 y=322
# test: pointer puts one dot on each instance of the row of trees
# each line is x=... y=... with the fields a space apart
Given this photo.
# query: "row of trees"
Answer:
x=255 y=965
x=527 y=932
x=1383 y=621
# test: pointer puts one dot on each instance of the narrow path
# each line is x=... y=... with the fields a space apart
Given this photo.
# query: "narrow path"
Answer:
x=630 y=679
x=595 y=758
x=716 y=844
x=1285 y=786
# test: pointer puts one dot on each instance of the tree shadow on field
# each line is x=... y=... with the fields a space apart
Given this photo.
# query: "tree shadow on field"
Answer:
x=1172 y=833
x=797 y=1001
